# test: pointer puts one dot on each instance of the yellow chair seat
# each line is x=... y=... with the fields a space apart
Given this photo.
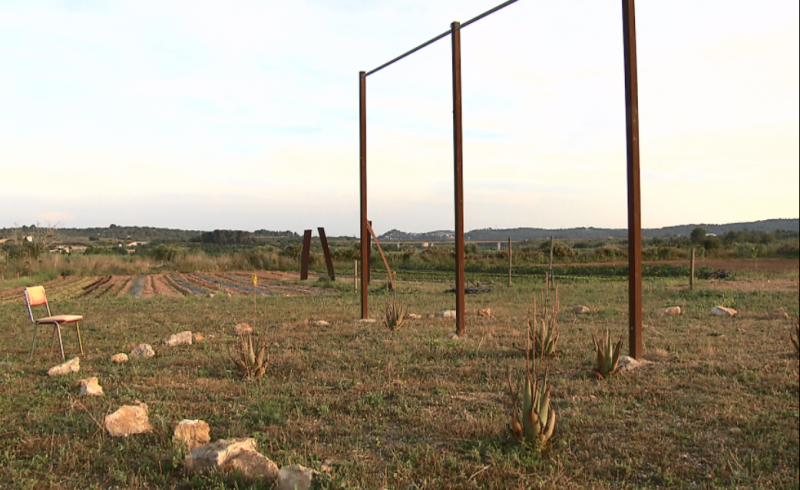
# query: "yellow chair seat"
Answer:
x=60 y=319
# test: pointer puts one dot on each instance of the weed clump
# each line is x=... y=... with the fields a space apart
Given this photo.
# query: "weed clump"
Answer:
x=394 y=314
x=538 y=421
x=607 y=356
x=250 y=355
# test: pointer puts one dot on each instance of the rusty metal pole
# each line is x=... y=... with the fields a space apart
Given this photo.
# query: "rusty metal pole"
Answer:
x=327 y=252
x=691 y=269
x=306 y=255
x=634 y=194
x=362 y=116
x=455 y=34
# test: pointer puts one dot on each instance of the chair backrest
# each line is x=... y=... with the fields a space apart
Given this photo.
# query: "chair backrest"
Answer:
x=34 y=296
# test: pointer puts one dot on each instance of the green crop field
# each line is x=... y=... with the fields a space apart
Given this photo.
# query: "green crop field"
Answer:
x=413 y=408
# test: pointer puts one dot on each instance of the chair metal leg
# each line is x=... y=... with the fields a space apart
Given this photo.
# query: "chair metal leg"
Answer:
x=80 y=342
x=60 y=344
x=33 y=344
x=53 y=341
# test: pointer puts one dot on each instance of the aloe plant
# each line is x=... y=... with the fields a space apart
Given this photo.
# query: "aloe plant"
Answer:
x=536 y=425
x=544 y=330
x=607 y=356
x=394 y=314
x=250 y=356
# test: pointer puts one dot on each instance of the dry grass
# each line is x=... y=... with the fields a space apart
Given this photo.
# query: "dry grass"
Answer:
x=415 y=409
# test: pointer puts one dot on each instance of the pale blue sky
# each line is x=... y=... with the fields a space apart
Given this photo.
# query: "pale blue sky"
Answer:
x=244 y=114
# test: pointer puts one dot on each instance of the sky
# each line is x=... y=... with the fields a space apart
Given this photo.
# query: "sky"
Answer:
x=244 y=114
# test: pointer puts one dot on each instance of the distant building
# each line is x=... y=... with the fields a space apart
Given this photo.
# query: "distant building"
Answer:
x=136 y=244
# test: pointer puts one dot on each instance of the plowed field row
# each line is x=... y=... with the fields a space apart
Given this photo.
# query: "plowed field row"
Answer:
x=147 y=286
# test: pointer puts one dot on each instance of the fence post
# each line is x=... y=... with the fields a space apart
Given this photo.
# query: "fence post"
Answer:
x=306 y=255
x=509 y=262
x=691 y=270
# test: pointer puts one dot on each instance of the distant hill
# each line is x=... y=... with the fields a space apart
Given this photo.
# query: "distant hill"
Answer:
x=769 y=225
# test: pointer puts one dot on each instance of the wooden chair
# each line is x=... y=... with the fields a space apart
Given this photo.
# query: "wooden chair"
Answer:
x=34 y=296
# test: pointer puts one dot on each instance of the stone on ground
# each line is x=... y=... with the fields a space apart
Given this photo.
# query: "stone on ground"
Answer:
x=197 y=337
x=142 y=351
x=183 y=338
x=295 y=477
x=672 y=310
x=581 y=310
x=447 y=314
x=364 y=321
x=119 y=358
x=242 y=329
x=253 y=465
x=230 y=455
x=487 y=312
x=90 y=387
x=414 y=316
x=778 y=314
x=630 y=364
x=128 y=420
x=722 y=311
x=321 y=323
x=191 y=433
x=71 y=366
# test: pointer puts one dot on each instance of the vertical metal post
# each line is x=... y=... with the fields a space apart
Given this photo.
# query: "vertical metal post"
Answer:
x=355 y=275
x=362 y=116
x=368 y=268
x=509 y=262
x=455 y=29
x=327 y=252
x=691 y=269
x=306 y=255
x=634 y=194
x=550 y=281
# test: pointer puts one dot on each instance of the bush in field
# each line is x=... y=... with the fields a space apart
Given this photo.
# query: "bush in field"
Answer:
x=95 y=250
x=712 y=243
x=472 y=248
x=347 y=254
x=698 y=235
x=292 y=251
x=163 y=253
x=262 y=259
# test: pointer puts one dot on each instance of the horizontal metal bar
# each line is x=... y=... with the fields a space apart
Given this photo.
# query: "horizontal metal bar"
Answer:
x=440 y=36
x=427 y=43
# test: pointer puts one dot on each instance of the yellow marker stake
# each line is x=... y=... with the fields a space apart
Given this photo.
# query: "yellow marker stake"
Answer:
x=255 y=280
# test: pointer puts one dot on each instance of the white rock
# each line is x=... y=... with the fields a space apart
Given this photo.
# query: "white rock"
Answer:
x=183 y=338
x=191 y=433
x=130 y=419
x=486 y=312
x=321 y=323
x=90 y=387
x=71 y=366
x=447 y=314
x=414 y=316
x=119 y=358
x=364 y=321
x=581 y=310
x=630 y=364
x=142 y=351
x=672 y=310
x=213 y=457
x=295 y=477
x=722 y=311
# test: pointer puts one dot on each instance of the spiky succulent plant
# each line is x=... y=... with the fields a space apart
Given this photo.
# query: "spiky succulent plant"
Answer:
x=250 y=356
x=394 y=314
x=544 y=330
x=607 y=356
x=535 y=426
